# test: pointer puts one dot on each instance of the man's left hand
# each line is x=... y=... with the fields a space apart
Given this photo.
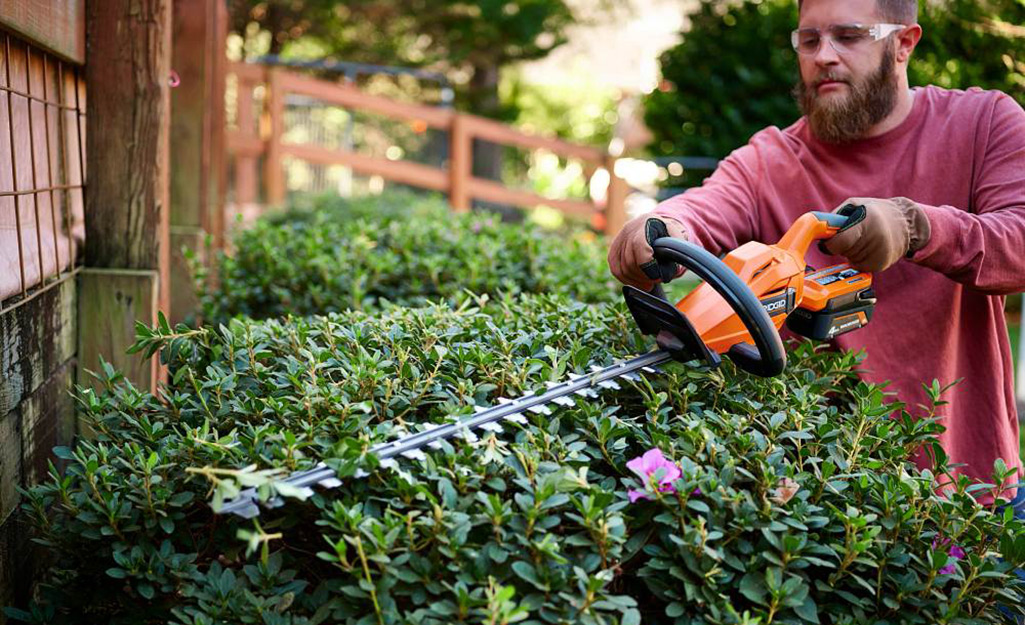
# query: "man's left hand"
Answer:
x=892 y=229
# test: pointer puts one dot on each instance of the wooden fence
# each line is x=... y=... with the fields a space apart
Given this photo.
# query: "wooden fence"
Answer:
x=256 y=141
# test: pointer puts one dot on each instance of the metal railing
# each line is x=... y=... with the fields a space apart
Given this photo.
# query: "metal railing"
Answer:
x=42 y=164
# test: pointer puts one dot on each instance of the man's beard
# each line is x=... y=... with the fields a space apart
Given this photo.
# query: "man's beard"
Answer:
x=843 y=120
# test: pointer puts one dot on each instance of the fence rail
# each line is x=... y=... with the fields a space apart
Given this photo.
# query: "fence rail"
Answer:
x=256 y=141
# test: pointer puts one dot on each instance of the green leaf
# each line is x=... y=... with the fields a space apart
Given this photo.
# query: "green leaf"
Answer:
x=808 y=610
x=752 y=586
x=525 y=571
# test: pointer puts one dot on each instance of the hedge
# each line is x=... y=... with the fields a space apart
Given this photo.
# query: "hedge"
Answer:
x=330 y=254
x=692 y=497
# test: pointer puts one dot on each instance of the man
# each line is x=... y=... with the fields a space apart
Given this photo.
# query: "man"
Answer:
x=942 y=176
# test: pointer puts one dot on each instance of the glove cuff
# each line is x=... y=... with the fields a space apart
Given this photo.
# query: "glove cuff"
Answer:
x=919 y=229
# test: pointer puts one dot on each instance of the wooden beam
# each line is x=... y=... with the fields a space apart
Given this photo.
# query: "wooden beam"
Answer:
x=490 y=130
x=460 y=164
x=615 y=200
x=196 y=141
x=349 y=96
x=56 y=26
x=404 y=172
x=497 y=192
x=110 y=301
x=274 y=171
x=127 y=130
x=249 y=72
x=241 y=144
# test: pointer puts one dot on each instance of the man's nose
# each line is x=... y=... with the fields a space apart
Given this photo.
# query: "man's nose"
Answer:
x=826 y=55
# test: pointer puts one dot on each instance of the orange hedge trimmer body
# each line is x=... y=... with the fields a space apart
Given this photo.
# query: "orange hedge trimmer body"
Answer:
x=723 y=319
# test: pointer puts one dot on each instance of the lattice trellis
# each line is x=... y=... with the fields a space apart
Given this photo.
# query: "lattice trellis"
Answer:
x=42 y=171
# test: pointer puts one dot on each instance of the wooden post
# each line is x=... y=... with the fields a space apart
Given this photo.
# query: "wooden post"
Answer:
x=274 y=172
x=127 y=128
x=615 y=200
x=459 y=164
x=197 y=129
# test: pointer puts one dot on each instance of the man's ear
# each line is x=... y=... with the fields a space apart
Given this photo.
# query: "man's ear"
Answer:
x=906 y=42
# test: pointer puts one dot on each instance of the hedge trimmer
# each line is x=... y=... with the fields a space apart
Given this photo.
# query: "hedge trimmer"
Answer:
x=738 y=310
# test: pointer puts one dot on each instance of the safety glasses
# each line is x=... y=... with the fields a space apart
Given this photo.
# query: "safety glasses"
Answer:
x=845 y=38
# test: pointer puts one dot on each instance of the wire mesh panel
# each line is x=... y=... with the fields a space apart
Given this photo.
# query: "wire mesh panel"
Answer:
x=42 y=173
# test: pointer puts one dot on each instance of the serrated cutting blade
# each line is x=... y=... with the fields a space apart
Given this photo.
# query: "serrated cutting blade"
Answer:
x=411 y=446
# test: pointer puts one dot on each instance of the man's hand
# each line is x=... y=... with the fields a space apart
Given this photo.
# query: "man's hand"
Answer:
x=892 y=229
x=630 y=250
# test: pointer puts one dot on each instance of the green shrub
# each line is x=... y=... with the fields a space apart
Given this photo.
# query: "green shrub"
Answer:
x=795 y=500
x=329 y=255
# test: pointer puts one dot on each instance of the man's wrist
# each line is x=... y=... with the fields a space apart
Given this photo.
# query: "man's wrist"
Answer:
x=919 y=228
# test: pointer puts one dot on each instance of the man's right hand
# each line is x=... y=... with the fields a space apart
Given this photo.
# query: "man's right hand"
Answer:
x=630 y=250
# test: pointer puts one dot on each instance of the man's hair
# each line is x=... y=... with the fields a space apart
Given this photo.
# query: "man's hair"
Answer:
x=894 y=11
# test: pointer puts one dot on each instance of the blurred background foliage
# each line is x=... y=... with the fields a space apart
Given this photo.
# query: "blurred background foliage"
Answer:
x=469 y=42
x=733 y=71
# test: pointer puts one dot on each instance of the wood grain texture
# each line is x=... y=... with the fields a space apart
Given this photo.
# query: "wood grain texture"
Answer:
x=197 y=130
x=42 y=421
x=127 y=147
x=36 y=339
x=110 y=301
x=57 y=25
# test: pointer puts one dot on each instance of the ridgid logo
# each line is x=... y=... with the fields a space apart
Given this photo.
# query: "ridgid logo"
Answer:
x=779 y=304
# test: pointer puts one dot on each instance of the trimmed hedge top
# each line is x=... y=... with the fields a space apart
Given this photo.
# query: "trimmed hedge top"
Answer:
x=690 y=497
x=332 y=254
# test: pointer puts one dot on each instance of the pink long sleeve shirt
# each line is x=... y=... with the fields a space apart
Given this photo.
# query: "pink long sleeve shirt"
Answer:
x=959 y=154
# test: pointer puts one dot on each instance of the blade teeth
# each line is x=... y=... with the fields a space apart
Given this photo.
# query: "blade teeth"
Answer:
x=492 y=427
x=274 y=502
x=389 y=463
x=360 y=473
x=609 y=384
x=565 y=401
x=504 y=400
x=434 y=445
x=414 y=454
x=468 y=435
x=587 y=392
x=655 y=369
x=517 y=418
x=331 y=482
x=479 y=409
x=540 y=409
x=574 y=376
x=630 y=375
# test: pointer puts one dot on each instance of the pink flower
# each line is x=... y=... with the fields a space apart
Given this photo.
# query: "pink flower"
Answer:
x=954 y=554
x=653 y=465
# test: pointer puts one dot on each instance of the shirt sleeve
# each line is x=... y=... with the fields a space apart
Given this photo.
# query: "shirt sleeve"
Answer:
x=983 y=246
x=720 y=214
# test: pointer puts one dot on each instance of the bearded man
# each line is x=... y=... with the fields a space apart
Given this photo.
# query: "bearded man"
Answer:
x=941 y=174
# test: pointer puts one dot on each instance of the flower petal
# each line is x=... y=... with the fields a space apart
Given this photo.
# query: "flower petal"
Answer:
x=634 y=495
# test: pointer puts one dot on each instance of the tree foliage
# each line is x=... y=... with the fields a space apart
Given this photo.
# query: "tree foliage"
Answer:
x=469 y=42
x=733 y=72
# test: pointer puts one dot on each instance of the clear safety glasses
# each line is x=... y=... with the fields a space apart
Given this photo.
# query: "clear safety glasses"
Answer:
x=845 y=38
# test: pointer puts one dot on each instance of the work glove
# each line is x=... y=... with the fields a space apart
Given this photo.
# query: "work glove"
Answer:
x=631 y=259
x=887 y=231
